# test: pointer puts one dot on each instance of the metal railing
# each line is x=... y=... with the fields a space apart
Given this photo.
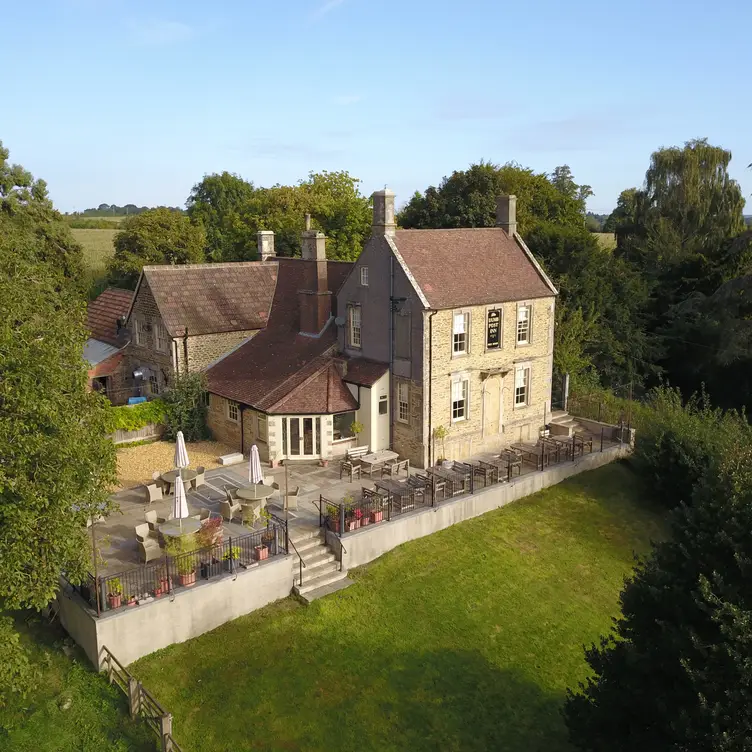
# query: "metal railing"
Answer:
x=141 y=703
x=163 y=577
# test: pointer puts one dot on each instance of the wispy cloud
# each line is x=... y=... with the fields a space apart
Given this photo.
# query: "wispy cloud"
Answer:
x=345 y=99
x=156 y=33
x=327 y=7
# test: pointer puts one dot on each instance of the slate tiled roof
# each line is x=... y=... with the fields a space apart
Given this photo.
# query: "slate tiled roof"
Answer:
x=270 y=368
x=322 y=392
x=473 y=266
x=213 y=298
x=364 y=372
x=103 y=313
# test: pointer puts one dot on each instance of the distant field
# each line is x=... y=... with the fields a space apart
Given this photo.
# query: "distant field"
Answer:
x=606 y=240
x=97 y=245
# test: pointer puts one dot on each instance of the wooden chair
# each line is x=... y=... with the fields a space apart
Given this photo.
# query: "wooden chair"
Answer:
x=200 y=479
x=393 y=468
x=352 y=468
x=154 y=492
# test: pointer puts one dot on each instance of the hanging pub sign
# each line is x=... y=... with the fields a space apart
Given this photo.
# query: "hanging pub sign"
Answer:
x=493 y=329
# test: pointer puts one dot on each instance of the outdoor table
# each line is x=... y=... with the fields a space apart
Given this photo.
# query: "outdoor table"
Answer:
x=400 y=492
x=489 y=472
x=169 y=478
x=455 y=481
x=378 y=458
x=568 y=443
x=531 y=454
x=255 y=492
x=174 y=529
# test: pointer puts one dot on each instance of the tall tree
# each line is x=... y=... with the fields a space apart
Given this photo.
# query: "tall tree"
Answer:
x=157 y=236
x=676 y=673
x=467 y=198
x=216 y=203
x=563 y=180
x=56 y=463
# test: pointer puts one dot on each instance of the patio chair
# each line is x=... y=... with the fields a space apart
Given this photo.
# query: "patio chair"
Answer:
x=250 y=513
x=200 y=479
x=291 y=499
x=153 y=520
x=154 y=492
x=393 y=468
x=229 y=509
x=204 y=514
x=352 y=468
x=156 y=476
x=149 y=550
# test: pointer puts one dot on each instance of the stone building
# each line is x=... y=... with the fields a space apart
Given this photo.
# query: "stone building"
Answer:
x=185 y=317
x=464 y=321
x=104 y=350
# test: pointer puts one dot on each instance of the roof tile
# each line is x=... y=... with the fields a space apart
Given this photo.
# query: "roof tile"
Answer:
x=103 y=313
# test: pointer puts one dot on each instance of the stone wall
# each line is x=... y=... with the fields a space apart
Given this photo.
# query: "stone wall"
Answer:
x=131 y=633
x=479 y=432
x=408 y=438
x=223 y=429
x=367 y=544
x=204 y=349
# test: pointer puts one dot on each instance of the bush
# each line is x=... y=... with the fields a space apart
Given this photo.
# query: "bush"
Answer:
x=133 y=417
x=677 y=443
x=185 y=407
x=17 y=674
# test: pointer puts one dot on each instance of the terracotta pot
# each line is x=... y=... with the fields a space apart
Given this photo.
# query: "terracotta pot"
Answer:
x=352 y=525
x=131 y=602
x=114 y=601
x=187 y=579
x=377 y=516
x=261 y=553
x=365 y=521
x=335 y=525
x=158 y=592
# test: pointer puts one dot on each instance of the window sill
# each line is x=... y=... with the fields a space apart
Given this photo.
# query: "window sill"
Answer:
x=342 y=441
x=523 y=344
x=521 y=407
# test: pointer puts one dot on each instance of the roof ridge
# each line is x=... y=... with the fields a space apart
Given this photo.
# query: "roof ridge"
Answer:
x=447 y=229
x=218 y=265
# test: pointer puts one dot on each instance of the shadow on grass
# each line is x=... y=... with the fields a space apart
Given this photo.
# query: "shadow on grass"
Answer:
x=361 y=697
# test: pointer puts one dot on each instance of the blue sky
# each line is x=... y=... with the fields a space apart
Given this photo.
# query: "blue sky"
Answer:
x=134 y=101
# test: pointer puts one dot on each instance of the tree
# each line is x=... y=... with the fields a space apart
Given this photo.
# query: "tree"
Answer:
x=468 y=199
x=185 y=407
x=216 y=203
x=157 y=236
x=563 y=180
x=26 y=208
x=675 y=673
x=622 y=217
x=57 y=464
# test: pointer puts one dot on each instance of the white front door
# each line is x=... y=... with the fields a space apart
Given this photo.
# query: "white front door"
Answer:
x=301 y=437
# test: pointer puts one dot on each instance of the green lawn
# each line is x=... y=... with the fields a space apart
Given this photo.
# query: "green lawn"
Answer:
x=464 y=640
x=73 y=708
x=97 y=245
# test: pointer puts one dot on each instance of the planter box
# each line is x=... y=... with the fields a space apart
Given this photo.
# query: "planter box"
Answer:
x=352 y=525
x=260 y=553
x=365 y=521
x=377 y=516
x=114 y=601
x=187 y=579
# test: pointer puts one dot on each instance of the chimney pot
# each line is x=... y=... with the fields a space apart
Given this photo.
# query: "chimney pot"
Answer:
x=383 y=213
x=265 y=240
x=506 y=214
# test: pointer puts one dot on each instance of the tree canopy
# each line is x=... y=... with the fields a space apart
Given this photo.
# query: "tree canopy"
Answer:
x=467 y=198
x=157 y=236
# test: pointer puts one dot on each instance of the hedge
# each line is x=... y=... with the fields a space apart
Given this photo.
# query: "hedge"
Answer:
x=133 y=417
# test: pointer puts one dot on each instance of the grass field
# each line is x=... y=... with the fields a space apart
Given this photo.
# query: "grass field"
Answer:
x=73 y=708
x=464 y=640
x=97 y=245
x=606 y=240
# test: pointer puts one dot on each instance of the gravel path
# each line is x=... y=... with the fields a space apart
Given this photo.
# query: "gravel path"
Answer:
x=136 y=464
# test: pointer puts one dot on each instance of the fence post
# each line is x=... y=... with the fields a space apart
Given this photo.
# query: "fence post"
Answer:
x=165 y=731
x=601 y=439
x=134 y=696
x=321 y=506
x=341 y=519
x=108 y=657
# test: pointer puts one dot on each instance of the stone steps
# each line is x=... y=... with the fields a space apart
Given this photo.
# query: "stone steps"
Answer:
x=321 y=575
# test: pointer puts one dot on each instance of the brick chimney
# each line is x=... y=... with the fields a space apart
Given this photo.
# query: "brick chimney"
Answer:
x=265 y=240
x=314 y=298
x=506 y=214
x=383 y=213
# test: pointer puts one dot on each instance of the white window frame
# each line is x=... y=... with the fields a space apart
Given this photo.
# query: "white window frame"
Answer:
x=233 y=406
x=526 y=372
x=262 y=428
x=464 y=318
x=403 y=402
x=463 y=383
x=364 y=276
x=354 y=333
x=529 y=329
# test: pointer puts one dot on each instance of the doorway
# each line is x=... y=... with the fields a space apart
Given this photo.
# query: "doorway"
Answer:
x=301 y=437
x=492 y=406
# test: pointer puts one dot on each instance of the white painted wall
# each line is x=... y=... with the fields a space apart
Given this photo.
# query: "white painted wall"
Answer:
x=380 y=425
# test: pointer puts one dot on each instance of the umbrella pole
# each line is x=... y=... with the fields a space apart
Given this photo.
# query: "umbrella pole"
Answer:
x=180 y=480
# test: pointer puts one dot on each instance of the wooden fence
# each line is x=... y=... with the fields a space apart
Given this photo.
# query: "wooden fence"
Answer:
x=149 y=431
x=140 y=702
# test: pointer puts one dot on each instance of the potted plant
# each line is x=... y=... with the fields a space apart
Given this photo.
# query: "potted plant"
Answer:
x=208 y=537
x=115 y=593
x=439 y=434
x=230 y=556
x=260 y=552
x=377 y=513
x=352 y=521
x=365 y=519
x=186 y=565
x=357 y=428
x=332 y=514
x=187 y=572
x=130 y=599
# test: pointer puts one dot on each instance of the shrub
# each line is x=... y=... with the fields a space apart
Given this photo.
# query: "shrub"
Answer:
x=185 y=407
x=17 y=674
x=133 y=417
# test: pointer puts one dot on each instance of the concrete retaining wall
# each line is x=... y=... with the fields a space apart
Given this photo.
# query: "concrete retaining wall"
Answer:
x=371 y=542
x=131 y=633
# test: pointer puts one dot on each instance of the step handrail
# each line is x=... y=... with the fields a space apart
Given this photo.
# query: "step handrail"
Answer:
x=302 y=565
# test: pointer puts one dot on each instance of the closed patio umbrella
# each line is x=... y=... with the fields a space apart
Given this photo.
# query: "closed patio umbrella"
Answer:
x=254 y=467
x=180 y=504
